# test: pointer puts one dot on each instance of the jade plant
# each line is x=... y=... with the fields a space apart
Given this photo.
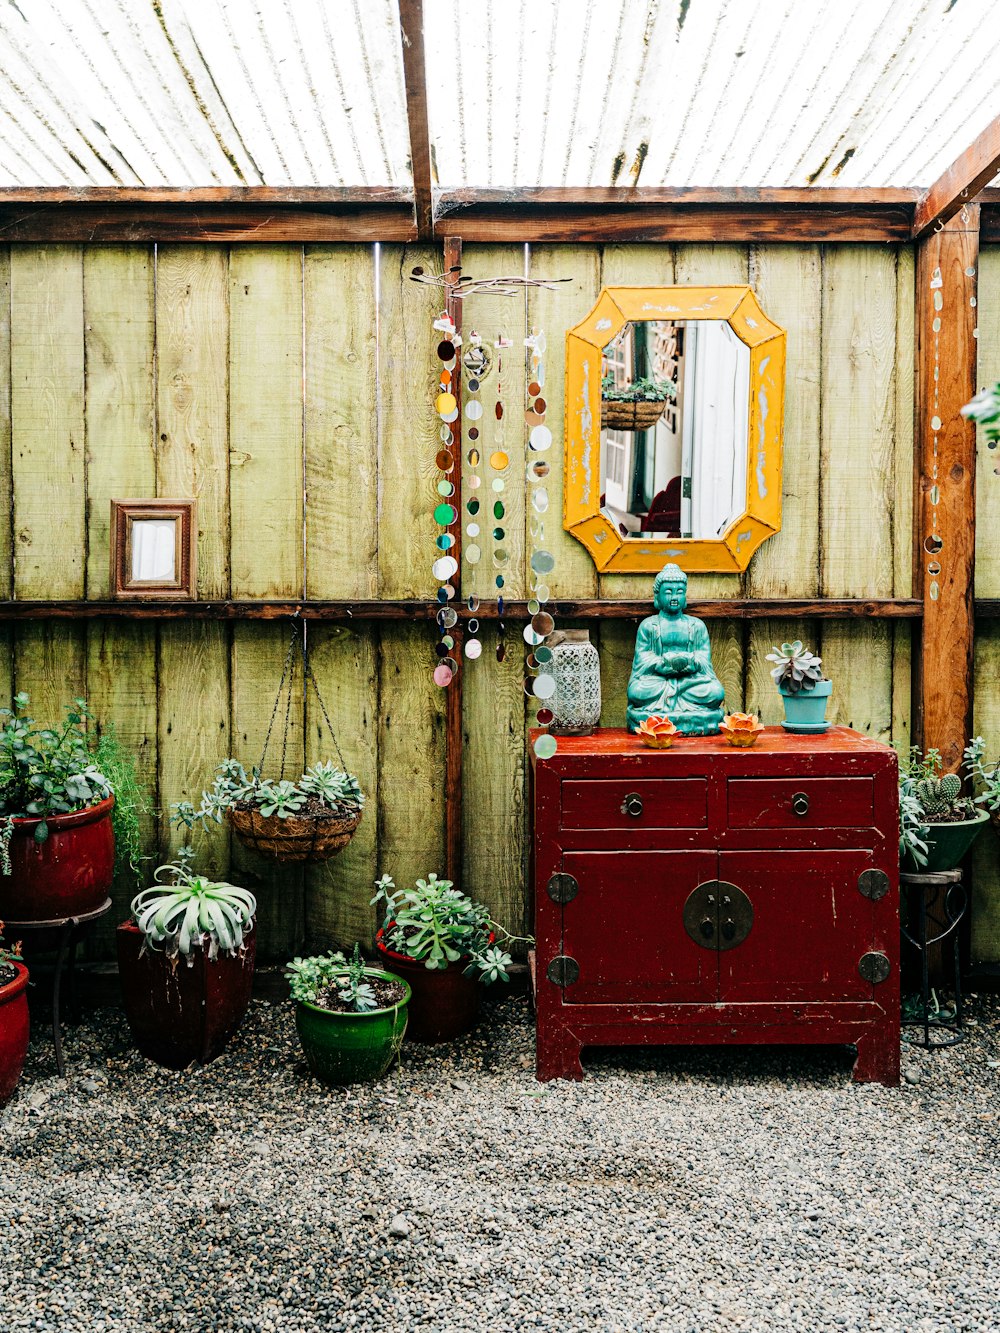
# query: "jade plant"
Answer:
x=434 y=923
x=646 y=390
x=796 y=667
x=46 y=771
x=322 y=789
x=189 y=913
x=311 y=979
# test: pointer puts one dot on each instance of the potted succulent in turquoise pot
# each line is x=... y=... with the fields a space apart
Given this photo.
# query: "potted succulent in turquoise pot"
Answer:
x=351 y=1018
x=938 y=823
x=798 y=674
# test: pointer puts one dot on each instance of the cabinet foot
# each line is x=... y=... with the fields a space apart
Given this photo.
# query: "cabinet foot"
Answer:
x=878 y=1058
x=558 y=1055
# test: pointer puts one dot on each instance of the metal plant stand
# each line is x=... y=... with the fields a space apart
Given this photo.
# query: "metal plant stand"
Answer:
x=918 y=889
x=66 y=933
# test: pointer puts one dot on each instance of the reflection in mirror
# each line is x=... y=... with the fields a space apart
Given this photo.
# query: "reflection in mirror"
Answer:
x=154 y=550
x=674 y=428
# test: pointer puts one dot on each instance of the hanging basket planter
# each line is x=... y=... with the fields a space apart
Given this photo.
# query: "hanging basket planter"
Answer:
x=311 y=837
x=618 y=415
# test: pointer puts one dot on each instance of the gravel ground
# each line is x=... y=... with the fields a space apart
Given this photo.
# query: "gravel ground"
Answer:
x=672 y=1190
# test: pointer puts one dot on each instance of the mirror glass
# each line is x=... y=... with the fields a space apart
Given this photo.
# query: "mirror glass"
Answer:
x=154 y=550
x=674 y=450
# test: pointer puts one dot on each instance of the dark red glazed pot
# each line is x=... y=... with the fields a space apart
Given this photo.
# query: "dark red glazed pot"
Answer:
x=14 y=1029
x=444 y=1003
x=178 y=1013
x=66 y=875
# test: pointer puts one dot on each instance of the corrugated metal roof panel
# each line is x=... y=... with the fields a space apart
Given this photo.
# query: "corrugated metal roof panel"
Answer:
x=521 y=92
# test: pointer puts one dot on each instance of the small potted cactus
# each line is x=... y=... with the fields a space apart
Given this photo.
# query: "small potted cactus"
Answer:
x=798 y=674
x=938 y=824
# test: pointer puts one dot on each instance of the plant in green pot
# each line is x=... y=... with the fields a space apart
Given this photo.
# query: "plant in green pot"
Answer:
x=444 y=944
x=186 y=964
x=938 y=824
x=65 y=805
x=351 y=1018
x=14 y=1022
x=798 y=674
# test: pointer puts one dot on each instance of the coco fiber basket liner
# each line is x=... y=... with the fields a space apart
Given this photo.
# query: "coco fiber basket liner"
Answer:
x=631 y=416
x=296 y=838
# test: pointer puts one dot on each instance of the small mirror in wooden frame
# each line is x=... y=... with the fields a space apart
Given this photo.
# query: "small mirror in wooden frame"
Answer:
x=154 y=547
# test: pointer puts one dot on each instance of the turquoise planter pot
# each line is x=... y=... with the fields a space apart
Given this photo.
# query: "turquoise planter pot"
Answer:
x=805 y=712
x=352 y=1048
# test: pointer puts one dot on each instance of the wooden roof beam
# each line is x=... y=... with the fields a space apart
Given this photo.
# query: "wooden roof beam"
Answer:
x=411 y=31
x=960 y=184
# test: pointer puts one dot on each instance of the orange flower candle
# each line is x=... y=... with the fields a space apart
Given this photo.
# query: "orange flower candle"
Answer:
x=741 y=729
x=657 y=732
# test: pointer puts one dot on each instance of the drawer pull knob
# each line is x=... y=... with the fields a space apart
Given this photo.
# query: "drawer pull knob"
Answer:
x=800 y=803
x=632 y=805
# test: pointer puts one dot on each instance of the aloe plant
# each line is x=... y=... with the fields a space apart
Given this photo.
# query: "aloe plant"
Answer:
x=192 y=912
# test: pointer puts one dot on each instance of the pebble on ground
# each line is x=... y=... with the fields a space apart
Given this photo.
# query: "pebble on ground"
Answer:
x=688 y=1190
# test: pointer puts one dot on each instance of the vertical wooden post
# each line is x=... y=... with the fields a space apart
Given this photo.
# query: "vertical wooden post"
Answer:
x=945 y=511
x=453 y=703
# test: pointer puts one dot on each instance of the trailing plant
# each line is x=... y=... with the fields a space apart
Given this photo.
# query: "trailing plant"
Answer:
x=191 y=912
x=310 y=978
x=984 y=409
x=54 y=771
x=434 y=923
x=322 y=789
x=796 y=668
x=644 y=390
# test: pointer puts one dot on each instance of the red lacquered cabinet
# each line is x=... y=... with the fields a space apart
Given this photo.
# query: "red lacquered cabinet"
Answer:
x=706 y=894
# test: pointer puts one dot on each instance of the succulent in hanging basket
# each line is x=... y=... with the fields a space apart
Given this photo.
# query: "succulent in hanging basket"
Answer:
x=645 y=390
x=796 y=668
x=191 y=912
x=634 y=407
x=308 y=820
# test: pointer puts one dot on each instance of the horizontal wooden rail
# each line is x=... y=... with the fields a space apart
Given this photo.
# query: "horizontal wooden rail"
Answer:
x=605 y=609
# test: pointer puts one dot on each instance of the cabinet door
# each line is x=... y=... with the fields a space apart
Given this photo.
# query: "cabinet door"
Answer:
x=811 y=925
x=625 y=928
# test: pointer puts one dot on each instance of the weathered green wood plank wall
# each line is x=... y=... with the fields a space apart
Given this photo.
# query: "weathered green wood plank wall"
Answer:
x=290 y=391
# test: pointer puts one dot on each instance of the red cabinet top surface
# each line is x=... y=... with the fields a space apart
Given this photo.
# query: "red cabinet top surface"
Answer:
x=608 y=741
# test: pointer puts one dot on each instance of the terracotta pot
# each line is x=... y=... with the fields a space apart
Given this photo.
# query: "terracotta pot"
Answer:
x=14 y=1029
x=312 y=838
x=66 y=875
x=179 y=1013
x=445 y=1002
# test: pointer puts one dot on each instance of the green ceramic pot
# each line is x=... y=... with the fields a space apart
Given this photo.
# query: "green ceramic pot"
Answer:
x=947 y=844
x=352 y=1048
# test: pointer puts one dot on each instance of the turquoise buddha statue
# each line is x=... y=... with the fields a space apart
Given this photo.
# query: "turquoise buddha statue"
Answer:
x=672 y=672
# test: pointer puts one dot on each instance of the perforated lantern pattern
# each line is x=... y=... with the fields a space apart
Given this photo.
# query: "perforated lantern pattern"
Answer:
x=576 y=666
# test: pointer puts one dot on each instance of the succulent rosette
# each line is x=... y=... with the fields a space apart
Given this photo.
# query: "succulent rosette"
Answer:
x=741 y=729
x=657 y=732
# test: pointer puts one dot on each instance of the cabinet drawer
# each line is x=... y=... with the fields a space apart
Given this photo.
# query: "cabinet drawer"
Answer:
x=635 y=803
x=764 y=803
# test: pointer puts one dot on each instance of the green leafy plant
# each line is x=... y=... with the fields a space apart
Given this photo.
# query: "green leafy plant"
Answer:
x=796 y=668
x=638 y=391
x=9 y=953
x=985 y=777
x=53 y=771
x=191 y=912
x=984 y=409
x=434 y=923
x=322 y=789
x=928 y=796
x=310 y=978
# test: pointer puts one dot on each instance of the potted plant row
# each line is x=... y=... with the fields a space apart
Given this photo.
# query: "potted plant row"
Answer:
x=444 y=945
x=68 y=810
x=186 y=964
x=636 y=406
x=308 y=820
x=14 y=1021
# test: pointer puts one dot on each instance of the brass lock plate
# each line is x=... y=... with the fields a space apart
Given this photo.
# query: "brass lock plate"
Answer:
x=718 y=915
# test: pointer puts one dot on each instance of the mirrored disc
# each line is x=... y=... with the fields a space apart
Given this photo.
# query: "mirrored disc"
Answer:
x=499 y=460
x=444 y=568
x=447 y=617
x=472 y=626
x=530 y=637
x=445 y=404
x=473 y=409
x=445 y=514
x=545 y=746
x=541 y=592
x=544 y=716
x=473 y=386
x=446 y=488
x=445 y=460
x=545 y=686
x=473 y=457
x=447 y=435
x=498 y=509
x=543 y=655
x=540 y=439
x=541 y=343
x=452 y=416
x=542 y=562
x=542 y=623
x=534 y=389
x=534 y=607
x=472 y=529
x=540 y=405
x=539 y=469
x=473 y=432
x=448 y=590
x=531 y=662
x=443 y=675
x=498 y=484
x=473 y=648
x=446 y=348
x=500 y=557
x=448 y=641
x=441 y=649
x=444 y=541
x=474 y=481
x=539 y=371
x=532 y=418
x=472 y=506
x=472 y=602
x=473 y=554
x=499 y=534
x=540 y=500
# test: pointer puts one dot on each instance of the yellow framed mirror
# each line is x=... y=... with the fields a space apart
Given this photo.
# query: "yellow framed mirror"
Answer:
x=674 y=412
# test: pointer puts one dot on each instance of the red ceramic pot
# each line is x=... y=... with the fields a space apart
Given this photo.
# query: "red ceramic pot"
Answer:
x=66 y=875
x=179 y=1013
x=13 y=1031
x=444 y=1003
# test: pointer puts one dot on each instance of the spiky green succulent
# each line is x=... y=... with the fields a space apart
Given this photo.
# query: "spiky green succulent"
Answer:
x=937 y=795
x=192 y=913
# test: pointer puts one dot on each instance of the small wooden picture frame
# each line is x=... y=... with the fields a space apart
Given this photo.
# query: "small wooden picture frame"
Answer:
x=154 y=549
